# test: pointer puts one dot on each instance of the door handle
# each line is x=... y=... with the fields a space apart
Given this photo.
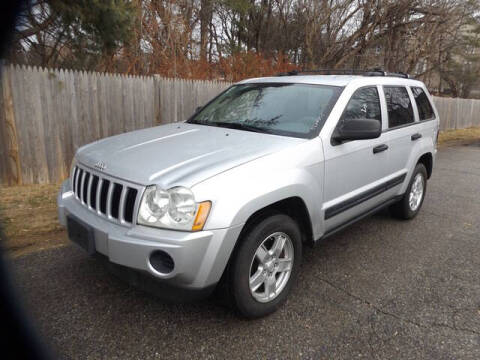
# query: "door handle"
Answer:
x=416 y=136
x=380 y=148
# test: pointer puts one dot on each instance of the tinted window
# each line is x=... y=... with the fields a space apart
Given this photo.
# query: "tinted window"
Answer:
x=425 y=110
x=277 y=108
x=400 y=111
x=364 y=104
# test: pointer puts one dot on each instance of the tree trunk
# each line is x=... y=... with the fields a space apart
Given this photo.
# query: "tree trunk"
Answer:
x=205 y=20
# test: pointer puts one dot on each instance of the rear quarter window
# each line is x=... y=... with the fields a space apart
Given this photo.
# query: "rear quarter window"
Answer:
x=425 y=109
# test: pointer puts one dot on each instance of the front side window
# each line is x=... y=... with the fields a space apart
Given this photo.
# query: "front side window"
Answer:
x=364 y=104
x=399 y=107
x=425 y=109
x=298 y=110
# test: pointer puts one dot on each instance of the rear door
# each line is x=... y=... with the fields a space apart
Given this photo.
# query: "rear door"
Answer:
x=355 y=171
x=404 y=129
x=401 y=119
x=411 y=128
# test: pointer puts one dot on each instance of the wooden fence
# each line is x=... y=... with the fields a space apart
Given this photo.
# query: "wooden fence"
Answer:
x=45 y=115
x=458 y=113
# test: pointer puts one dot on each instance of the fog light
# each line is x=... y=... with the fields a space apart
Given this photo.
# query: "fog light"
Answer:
x=162 y=262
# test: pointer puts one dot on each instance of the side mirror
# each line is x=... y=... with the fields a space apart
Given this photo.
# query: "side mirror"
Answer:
x=357 y=129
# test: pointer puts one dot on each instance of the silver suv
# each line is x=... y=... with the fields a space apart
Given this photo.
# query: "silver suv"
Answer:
x=271 y=164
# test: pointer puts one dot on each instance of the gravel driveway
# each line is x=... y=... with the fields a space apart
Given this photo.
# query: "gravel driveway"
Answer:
x=382 y=289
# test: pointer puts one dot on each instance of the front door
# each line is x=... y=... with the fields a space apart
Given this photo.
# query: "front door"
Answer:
x=356 y=172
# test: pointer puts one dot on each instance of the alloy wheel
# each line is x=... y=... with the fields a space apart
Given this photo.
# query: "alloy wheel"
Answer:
x=271 y=267
x=416 y=192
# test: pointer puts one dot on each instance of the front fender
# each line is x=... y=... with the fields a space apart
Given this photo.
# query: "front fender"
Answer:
x=242 y=191
x=258 y=202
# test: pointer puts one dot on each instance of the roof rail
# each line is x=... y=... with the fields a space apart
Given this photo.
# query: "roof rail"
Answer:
x=373 y=72
x=380 y=72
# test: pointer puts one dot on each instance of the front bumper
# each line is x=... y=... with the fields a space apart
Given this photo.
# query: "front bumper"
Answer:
x=199 y=257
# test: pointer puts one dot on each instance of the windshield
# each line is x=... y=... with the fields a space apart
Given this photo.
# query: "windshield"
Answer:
x=298 y=110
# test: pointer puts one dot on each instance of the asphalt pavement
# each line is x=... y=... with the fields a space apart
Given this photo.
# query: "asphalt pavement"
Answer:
x=381 y=289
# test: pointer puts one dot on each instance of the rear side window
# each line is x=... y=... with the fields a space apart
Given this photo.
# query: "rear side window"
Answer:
x=364 y=104
x=425 y=110
x=399 y=107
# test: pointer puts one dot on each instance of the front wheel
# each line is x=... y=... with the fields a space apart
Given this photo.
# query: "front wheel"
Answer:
x=409 y=206
x=265 y=265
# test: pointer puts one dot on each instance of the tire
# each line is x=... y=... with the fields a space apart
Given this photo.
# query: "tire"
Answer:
x=246 y=266
x=405 y=209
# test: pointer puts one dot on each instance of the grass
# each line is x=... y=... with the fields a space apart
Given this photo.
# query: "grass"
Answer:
x=28 y=213
x=455 y=137
x=28 y=217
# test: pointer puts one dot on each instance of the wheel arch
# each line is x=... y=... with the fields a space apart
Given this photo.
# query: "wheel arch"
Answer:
x=427 y=160
x=293 y=207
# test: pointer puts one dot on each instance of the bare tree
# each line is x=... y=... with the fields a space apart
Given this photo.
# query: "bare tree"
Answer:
x=238 y=38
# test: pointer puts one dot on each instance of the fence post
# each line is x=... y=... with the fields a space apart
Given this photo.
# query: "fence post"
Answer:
x=8 y=136
x=157 y=101
x=3 y=149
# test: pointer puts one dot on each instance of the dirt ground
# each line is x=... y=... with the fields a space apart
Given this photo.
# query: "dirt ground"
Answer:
x=458 y=137
x=28 y=216
x=28 y=213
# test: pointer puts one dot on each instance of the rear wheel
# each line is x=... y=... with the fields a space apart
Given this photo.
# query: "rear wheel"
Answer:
x=409 y=206
x=265 y=265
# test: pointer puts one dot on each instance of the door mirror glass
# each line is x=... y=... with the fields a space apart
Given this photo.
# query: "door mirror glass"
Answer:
x=357 y=129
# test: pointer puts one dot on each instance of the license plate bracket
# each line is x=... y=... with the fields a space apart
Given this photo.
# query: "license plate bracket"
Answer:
x=81 y=234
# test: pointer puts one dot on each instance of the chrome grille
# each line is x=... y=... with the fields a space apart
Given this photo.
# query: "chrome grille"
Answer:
x=108 y=197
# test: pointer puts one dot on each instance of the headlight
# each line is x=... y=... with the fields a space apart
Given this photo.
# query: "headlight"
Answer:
x=182 y=205
x=172 y=209
x=154 y=205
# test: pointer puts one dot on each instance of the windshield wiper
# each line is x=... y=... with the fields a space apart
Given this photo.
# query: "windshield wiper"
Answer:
x=200 y=122
x=239 y=126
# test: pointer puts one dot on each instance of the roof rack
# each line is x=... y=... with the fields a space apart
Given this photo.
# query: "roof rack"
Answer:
x=373 y=72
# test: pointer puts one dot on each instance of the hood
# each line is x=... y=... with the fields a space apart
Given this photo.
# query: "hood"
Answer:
x=179 y=153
